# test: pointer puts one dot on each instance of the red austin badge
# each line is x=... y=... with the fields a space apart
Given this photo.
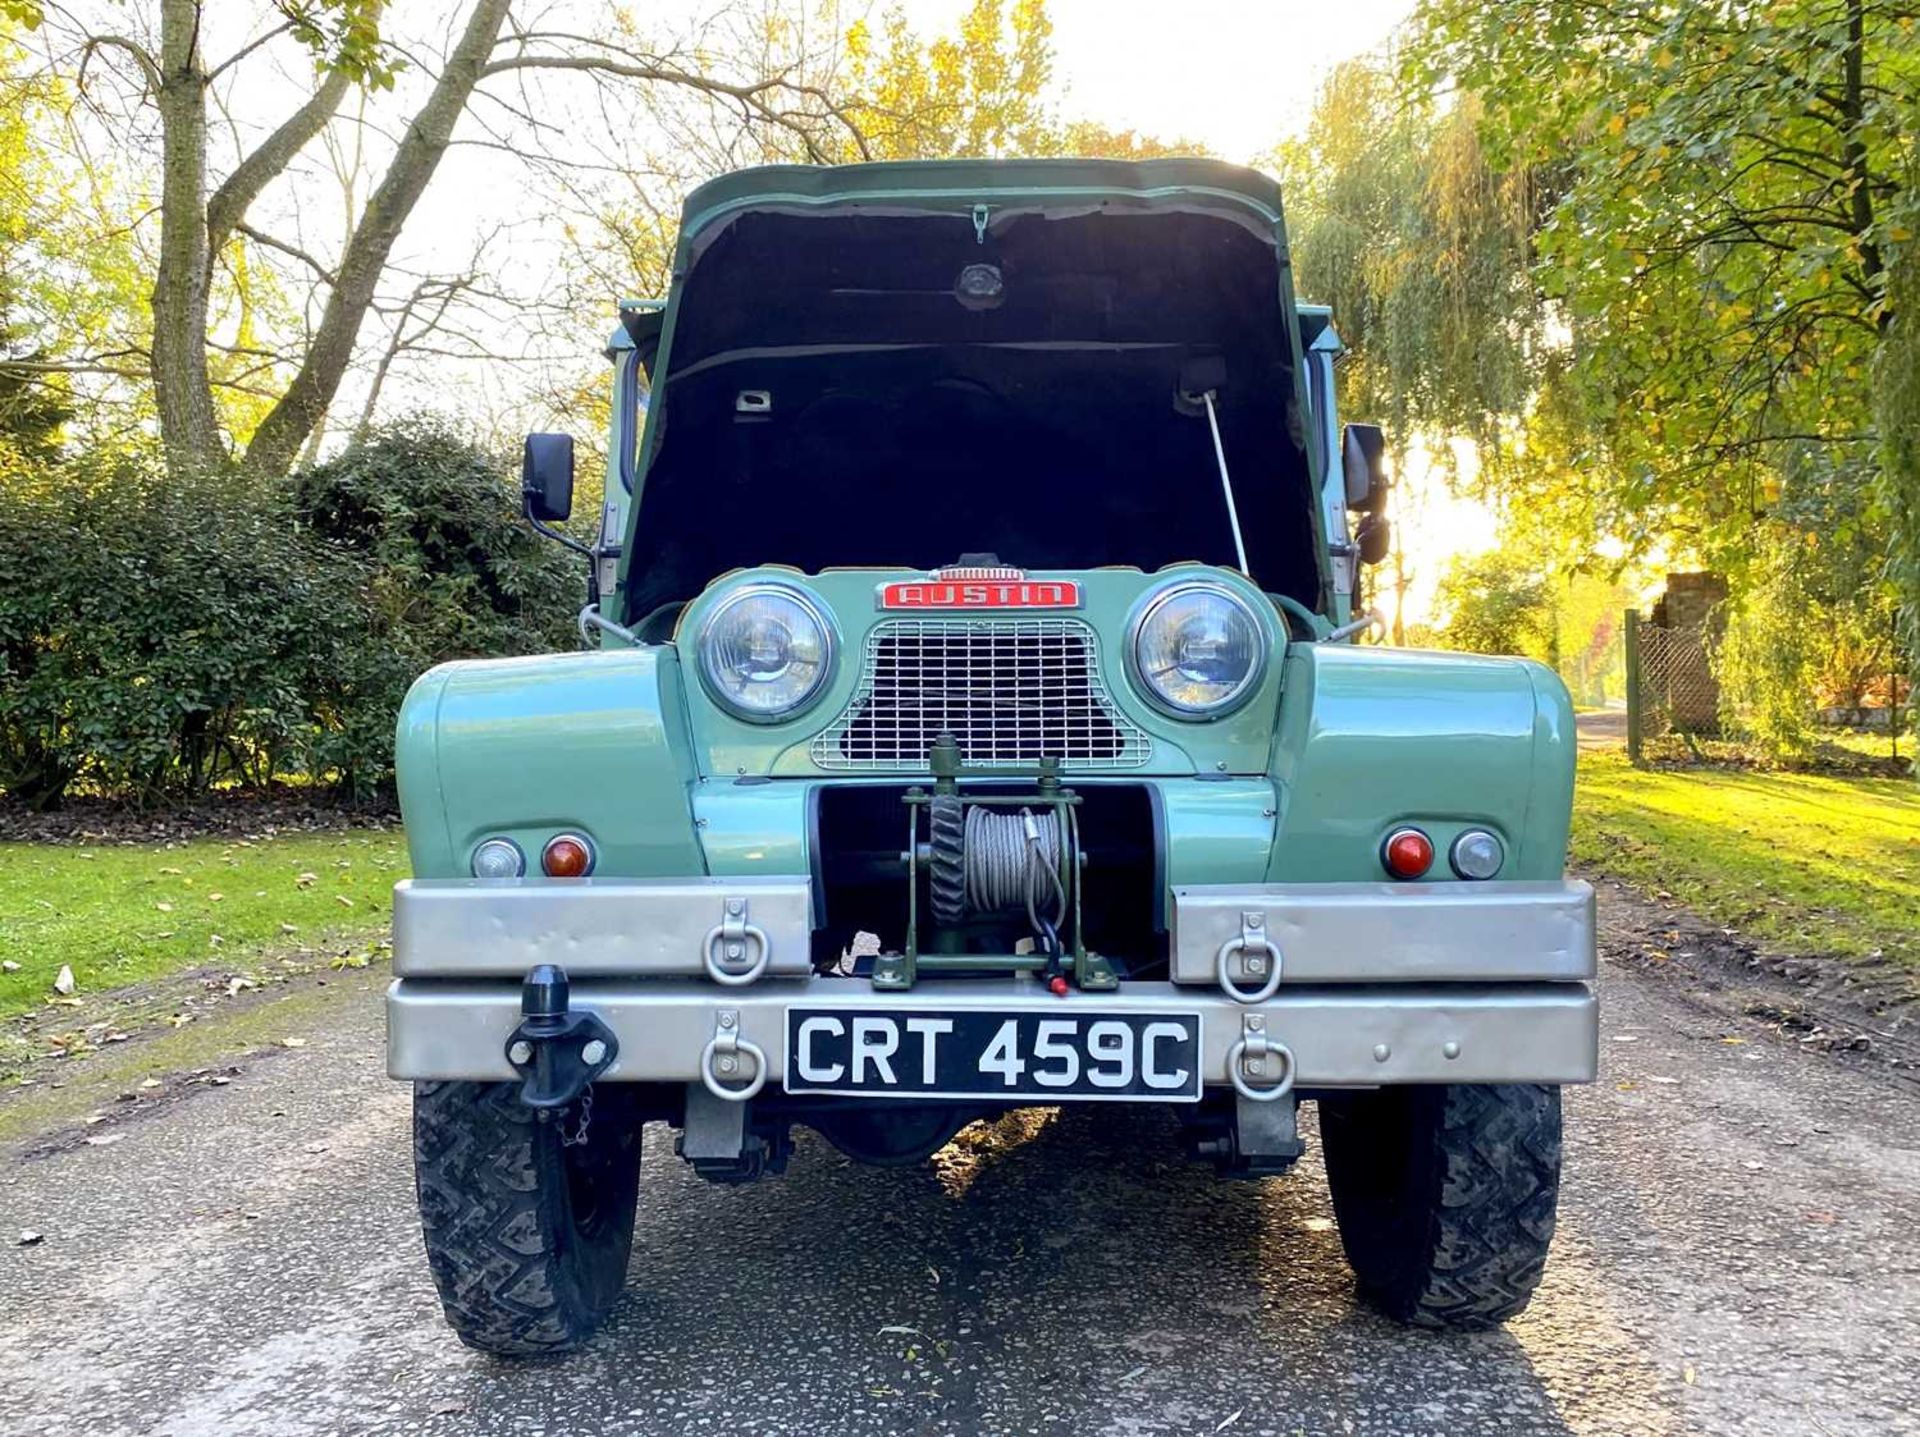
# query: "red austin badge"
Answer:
x=980 y=588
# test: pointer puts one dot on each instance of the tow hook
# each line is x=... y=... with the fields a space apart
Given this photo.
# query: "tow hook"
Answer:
x=556 y=1050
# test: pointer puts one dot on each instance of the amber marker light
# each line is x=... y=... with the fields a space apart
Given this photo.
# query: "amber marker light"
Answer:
x=1407 y=853
x=567 y=855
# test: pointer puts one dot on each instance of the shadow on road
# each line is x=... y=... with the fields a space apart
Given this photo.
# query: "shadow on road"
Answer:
x=1052 y=1272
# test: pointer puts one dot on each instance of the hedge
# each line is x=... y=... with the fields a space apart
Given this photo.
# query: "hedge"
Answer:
x=163 y=634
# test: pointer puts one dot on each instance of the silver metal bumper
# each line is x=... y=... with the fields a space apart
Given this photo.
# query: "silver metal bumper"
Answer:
x=1340 y=1037
x=630 y=927
x=1519 y=932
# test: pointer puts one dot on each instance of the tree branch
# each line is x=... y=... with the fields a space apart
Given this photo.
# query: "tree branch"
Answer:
x=291 y=251
x=149 y=67
x=228 y=205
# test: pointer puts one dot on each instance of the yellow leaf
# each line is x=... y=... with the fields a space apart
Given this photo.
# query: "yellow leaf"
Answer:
x=1617 y=124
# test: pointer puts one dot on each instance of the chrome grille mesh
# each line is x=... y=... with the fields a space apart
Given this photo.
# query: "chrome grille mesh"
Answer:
x=1008 y=690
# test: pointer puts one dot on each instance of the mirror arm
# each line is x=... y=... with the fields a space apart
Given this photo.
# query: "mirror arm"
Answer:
x=545 y=531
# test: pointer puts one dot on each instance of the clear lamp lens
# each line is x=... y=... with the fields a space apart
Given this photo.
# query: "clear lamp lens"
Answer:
x=1199 y=650
x=1477 y=854
x=765 y=653
x=499 y=858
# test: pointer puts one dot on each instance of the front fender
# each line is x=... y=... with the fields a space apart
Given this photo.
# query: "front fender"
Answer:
x=1373 y=737
x=594 y=743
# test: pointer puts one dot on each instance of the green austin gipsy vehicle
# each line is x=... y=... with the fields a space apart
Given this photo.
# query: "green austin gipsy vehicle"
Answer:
x=972 y=719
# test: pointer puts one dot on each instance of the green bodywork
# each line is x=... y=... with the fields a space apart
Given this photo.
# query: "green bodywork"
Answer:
x=1337 y=745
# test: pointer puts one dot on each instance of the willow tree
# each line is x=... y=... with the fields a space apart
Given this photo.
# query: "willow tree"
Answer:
x=1737 y=195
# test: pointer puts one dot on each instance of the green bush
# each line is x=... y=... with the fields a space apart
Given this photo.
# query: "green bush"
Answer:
x=456 y=572
x=1495 y=604
x=163 y=634
x=158 y=633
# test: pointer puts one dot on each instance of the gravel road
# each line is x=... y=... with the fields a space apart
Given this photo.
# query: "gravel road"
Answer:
x=1739 y=1252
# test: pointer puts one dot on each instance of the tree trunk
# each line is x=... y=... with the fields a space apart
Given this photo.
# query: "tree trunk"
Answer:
x=183 y=395
x=278 y=439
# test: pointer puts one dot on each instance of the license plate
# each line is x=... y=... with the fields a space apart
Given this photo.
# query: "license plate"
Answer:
x=969 y=1053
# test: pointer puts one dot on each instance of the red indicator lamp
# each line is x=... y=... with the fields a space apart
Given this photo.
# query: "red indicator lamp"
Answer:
x=1407 y=854
x=567 y=855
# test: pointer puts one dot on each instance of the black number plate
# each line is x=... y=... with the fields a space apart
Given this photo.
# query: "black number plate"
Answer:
x=966 y=1053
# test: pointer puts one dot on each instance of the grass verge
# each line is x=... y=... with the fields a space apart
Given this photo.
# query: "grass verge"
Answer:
x=121 y=914
x=1806 y=863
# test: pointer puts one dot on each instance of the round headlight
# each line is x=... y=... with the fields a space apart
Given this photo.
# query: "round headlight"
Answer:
x=765 y=652
x=1198 y=650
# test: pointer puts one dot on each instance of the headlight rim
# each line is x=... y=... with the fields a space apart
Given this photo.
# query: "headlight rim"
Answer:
x=829 y=643
x=1149 y=604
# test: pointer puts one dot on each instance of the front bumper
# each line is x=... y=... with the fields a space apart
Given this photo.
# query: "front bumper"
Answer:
x=1374 y=984
x=1348 y=1036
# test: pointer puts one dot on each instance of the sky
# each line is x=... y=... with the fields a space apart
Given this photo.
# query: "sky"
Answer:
x=1238 y=75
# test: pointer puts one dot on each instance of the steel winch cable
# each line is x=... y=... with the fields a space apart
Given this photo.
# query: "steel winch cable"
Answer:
x=1013 y=860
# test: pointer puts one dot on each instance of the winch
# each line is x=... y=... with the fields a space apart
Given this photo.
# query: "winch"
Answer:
x=999 y=856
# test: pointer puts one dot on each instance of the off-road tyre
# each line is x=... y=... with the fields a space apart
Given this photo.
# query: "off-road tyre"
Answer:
x=1445 y=1196
x=527 y=1239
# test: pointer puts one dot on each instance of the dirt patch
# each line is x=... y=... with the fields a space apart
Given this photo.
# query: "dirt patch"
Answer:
x=63 y=1101
x=1863 y=1009
x=239 y=815
x=42 y=1039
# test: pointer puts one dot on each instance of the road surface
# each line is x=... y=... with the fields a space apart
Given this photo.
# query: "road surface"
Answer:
x=1739 y=1252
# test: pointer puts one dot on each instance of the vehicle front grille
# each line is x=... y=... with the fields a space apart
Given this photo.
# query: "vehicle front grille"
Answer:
x=1008 y=690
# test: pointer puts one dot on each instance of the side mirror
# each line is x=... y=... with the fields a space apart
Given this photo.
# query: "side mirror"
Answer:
x=546 y=477
x=1363 y=456
x=1374 y=538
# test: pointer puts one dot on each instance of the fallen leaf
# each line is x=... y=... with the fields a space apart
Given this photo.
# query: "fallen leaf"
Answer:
x=1733 y=1042
x=150 y=1082
x=289 y=928
x=343 y=900
x=172 y=872
x=164 y=907
x=216 y=897
x=63 y=980
x=9 y=966
x=1686 y=1374
x=293 y=1042
x=106 y=1140
x=220 y=1082
x=306 y=880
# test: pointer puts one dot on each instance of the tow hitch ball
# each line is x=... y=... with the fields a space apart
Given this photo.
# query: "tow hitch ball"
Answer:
x=557 y=1051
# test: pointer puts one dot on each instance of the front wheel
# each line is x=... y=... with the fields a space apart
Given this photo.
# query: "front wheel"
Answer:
x=527 y=1235
x=1445 y=1196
